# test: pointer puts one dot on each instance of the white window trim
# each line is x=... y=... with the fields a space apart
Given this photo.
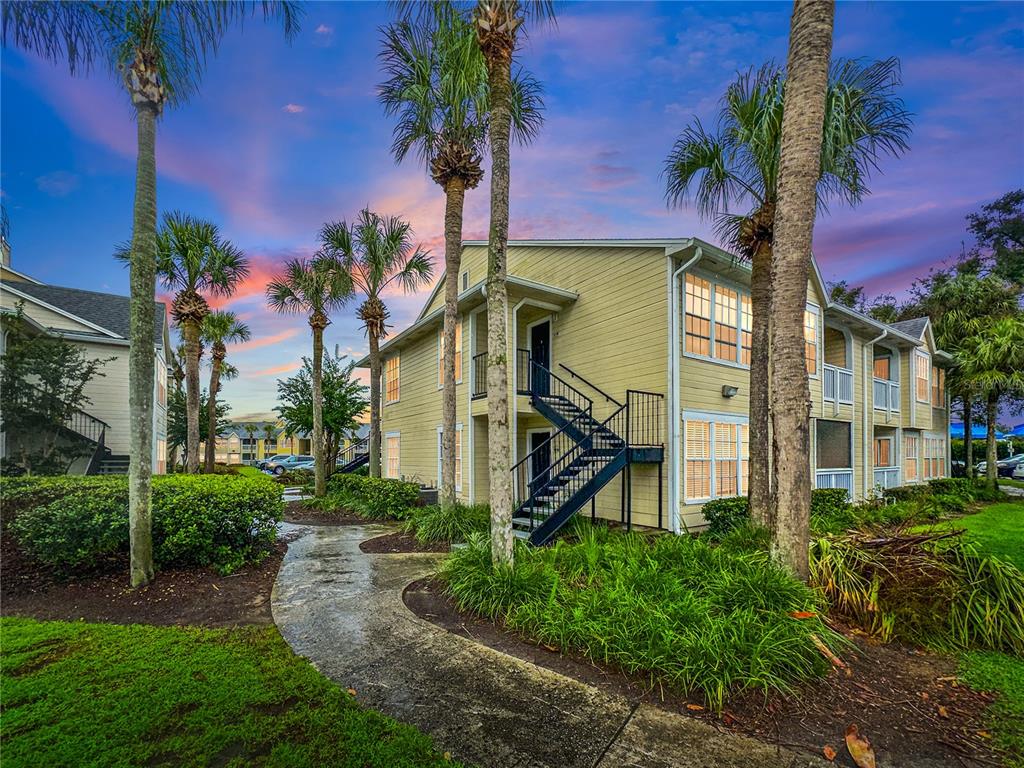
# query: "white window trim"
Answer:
x=464 y=281
x=460 y=352
x=934 y=373
x=713 y=418
x=459 y=475
x=891 y=439
x=928 y=369
x=387 y=436
x=740 y=293
x=819 y=339
x=384 y=373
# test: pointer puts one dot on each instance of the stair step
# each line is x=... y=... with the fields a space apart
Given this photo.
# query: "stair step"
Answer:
x=520 y=534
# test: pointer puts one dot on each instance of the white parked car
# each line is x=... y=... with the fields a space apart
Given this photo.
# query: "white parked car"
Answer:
x=1018 y=471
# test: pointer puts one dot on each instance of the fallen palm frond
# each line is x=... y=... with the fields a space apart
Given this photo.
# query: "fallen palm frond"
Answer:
x=930 y=588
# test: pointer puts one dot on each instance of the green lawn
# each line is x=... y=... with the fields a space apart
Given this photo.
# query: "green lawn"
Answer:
x=997 y=529
x=111 y=695
x=1012 y=482
x=1003 y=674
x=244 y=469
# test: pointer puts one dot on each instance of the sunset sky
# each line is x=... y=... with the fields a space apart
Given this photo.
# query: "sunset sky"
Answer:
x=282 y=138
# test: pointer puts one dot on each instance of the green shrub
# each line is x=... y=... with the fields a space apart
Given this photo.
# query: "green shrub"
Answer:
x=452 y=524
x=292 y=477
x=723 y=515
x=198 y=520
x=376 y=498
x=701 y=619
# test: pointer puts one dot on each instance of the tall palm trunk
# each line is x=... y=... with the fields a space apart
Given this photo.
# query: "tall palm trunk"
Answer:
x=319 y=476
x=374 y=404
x=762 y=510
x=141 y=356
x=455 y=196
x=211 y=411
x=810 y=47
x=968 y=438
x=191 y=333
x=991 y=411
x=499 y=440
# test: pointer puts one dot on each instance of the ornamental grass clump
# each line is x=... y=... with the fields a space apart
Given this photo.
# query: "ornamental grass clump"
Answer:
x=700 y=619
x=926 y=588
x=452 y=524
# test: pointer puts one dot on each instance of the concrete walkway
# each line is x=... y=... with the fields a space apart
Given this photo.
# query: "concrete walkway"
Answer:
x=343 y=610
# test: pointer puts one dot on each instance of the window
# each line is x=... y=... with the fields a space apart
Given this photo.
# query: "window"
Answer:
x=934 y=457
x=161 y=384
x=883 y=452
x=717 y=458
x=811 y=339
x=161 y=457
x=922 y=366
x=698 y=316
x=393 y=454
x=833 y=447
x=746 y=326
x=883 y=367
x=391 y=391
x=726 y=308
x=458 y=455
x=465 y=280
x=458 y=354
x=938 y=387
x=909 y=458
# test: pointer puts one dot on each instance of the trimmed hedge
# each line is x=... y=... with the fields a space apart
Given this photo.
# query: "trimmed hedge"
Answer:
x=726 y=515
x=377 y=498
x=74 y=523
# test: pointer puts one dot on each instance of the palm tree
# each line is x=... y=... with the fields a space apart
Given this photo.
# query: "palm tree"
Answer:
x=991 y=360
x=219 y=329
x=250 y=430
x=373 y=253
x=269 y=434
x=497 y=26
x=738 y=166
x=158 y=50
x=314 y=288
x=800 y=169
x=437 y=88
x=193 y=259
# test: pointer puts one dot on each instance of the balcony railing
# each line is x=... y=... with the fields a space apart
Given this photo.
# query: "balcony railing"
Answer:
x=838 y=384
x=835 y=478
x=887 y=395
x=887 y=477
x=479 y=383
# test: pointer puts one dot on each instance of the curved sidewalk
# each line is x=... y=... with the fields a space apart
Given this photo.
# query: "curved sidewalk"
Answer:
x=343 y=610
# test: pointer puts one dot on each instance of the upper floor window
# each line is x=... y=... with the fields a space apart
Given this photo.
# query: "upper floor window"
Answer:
x=391 y=390
x=718 y=321
x=922 y=367
x=938 y=387
x=458 y=355
x=811 y=339
x=465 y=280
x=161 y=384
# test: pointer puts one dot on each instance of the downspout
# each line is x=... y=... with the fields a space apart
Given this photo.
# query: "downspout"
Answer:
x=675 y=398
x=867 y=371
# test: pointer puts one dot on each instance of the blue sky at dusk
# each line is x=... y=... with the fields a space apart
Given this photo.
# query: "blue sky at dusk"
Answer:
x=282 y=138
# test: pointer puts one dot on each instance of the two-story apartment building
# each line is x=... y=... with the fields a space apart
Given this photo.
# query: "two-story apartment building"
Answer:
x=629 y=385
x=98 y=324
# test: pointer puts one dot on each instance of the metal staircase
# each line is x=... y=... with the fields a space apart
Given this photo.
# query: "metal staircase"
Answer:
x=355 y=456
x=557 y=478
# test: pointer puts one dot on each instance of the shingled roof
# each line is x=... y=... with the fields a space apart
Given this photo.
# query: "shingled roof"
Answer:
x=913 y=327
x=107 y=310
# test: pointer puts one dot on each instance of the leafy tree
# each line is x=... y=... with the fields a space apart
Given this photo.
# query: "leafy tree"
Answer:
x=43 y=379
x=437 y=87
x=344 y=399
x=737 y=166
x=371 y=254
x=250 y=431
x=843 y=293
x=314 y=288
x=801 y=167
x=158 y=51
x=219 y=329
x=999 y=232
x=177 y=419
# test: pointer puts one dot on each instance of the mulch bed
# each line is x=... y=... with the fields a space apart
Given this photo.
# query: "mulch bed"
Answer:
x=394 y=543
x=296 y=512
x=907 y=703
x=176 y=597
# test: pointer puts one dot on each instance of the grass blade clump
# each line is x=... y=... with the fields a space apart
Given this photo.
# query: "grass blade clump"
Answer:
x=704 y=620
x=451 y=524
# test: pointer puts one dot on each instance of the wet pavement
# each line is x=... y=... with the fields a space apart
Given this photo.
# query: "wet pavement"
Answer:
x=343 y=610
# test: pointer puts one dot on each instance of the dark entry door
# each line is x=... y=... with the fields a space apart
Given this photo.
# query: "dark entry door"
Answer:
x=540 y=449
x=540 y=354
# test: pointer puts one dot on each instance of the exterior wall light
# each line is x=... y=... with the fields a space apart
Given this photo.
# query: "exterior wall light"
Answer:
x=729 y=391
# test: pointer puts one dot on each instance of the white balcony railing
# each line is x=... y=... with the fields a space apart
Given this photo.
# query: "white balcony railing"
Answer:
x=835 y=478
x=838 y=384
x=887 y=395
x=887 y=477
